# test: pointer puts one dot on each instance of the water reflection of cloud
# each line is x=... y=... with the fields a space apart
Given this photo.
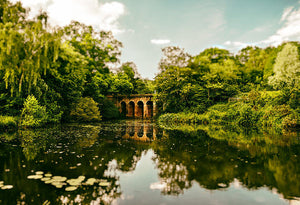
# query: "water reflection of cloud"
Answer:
x=111 y=170
x=294 y=202
x=236 y=183
x=158 y=185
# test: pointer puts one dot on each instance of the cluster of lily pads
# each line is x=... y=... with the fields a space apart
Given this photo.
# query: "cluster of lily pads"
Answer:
x=72 y=184
x=3 y=186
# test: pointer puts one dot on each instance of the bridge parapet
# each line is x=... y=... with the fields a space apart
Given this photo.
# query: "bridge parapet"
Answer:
x=136 y=105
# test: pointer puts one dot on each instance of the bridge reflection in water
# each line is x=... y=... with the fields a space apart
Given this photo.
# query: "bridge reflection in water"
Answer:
x=141 y=131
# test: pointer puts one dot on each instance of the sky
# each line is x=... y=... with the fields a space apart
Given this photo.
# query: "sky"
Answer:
x=146 y=26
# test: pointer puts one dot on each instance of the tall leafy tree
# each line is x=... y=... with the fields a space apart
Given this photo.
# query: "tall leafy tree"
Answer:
x=286 y=68
x=100 y=50
x=178 y=85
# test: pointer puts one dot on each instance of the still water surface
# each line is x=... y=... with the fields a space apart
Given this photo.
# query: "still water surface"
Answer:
x=136 y=162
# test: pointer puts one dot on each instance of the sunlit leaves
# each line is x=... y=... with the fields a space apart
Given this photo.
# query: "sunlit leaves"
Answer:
x=286 y=68
x=27 y=50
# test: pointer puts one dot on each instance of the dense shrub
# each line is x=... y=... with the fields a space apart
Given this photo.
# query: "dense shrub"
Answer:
x=178 y=118
x=280 y=116
x=86 y=110
x=109 y=110
x=54 y=113
x=247 y=116
x=256 y=109
x=33 y=114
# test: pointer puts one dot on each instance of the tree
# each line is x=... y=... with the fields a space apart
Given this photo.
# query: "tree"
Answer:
x=27 y=50
x=86 y=110
x=286 y=68
x=173 y=56
x=121 y=84
x=33 y=114
x=140 y=86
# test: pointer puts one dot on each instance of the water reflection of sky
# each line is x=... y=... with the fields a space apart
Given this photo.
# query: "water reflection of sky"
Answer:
x=136 y=162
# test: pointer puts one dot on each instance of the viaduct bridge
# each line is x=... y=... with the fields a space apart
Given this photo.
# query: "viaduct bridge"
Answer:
x=135 y=106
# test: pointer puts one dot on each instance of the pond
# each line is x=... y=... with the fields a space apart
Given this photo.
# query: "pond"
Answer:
x=136 y=162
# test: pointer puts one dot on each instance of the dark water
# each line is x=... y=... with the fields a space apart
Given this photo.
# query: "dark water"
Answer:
x=135 y=162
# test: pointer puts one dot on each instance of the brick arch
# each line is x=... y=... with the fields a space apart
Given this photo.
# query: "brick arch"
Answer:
x=138 y=106
x=124 y=109
x=131 y=109
x=149 y=105
x=140 y=109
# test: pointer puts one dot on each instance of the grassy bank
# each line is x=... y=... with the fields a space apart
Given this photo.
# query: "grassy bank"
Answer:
x=252 y=111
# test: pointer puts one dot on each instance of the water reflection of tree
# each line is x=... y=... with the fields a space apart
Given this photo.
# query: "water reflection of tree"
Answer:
x=32 y=142
x=215 y=163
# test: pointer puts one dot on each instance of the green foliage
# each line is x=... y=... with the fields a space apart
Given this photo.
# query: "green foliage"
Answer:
x=57 y=66
x=286 y=68
x=193 y=85
x=248 y=117
x=26 y=54
x=54 y=112
x=86 y=110
x=8 y=123
x=33 y=114
x=65 y=65
x=280 y=116
x=108 y=110
x=258 y=109
x=121 y=84
x=182 y=118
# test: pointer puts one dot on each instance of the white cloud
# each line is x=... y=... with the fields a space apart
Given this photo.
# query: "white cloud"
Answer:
x=91 y=12
x=235 y=46
x=286 y=12
x=290 y=29
x=235 y=43
x=160 y=41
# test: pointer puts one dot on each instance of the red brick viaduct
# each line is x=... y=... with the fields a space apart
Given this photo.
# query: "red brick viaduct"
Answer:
x=135 y=106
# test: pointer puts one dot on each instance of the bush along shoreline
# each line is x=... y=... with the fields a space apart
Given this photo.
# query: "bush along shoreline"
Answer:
x=254 y=110
x=34 y=115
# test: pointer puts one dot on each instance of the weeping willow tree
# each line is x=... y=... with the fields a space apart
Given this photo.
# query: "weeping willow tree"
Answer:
x=27 y=49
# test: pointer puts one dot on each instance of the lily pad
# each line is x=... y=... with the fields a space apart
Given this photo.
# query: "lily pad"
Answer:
x=59 y=178
x=81 y=178
x=74 y=182
x=91 y=181
x=48 y=175
x=7 y=187
x=58 y=184
x=46 y=179
x=35 y=176
x=104 y=184
x=39 y=173
x=71 y=188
